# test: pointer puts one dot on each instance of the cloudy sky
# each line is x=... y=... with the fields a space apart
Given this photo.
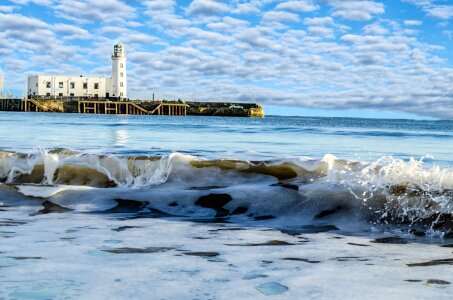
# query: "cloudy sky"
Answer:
x=329 y=57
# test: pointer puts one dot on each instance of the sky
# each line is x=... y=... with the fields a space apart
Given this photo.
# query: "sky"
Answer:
x=357 y=58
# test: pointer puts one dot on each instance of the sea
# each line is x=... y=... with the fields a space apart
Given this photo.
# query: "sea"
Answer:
x=168 y=207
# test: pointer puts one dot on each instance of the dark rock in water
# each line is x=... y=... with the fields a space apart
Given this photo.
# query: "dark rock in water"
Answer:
x=50 y=207
x=436 y=262
x=147 y=213
x=174 y=203
x=24 y=257
x=269 y=243
x=262 y=218
x=122 y=228
x=209 y=220
x=11 y=222
x=287 y=186
x=271 y=288
x=329 y=212
x=302 y=260
x=360 y=245
x=348 y=258
x=126 y=206
x=227 y=229
x=202 y=254
x=308 y=229
x=128 y=250
x=239 y=211
x=216 y=202
x=413 y=280
x=417 y=232
x=391 y=240
x=447 y=246
x=254 y=276
x=437 y=281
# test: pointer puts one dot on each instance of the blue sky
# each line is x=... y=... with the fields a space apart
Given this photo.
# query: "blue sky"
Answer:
x=370 y=58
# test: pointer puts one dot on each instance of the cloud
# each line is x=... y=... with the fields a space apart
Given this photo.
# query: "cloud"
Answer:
x=38 y=2
x=71 y=31
x=7 y=8
x=297 y=6
x=433 y=9
x=412 y=22
x=89 y=11
x=356 y=10
x=280 y=16
x=159 y=6
x=206 y=7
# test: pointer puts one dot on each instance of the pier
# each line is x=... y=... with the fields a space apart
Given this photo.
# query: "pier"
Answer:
x=133 y=107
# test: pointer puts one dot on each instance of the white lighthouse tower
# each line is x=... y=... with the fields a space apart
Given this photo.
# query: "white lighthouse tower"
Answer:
x=119 y=79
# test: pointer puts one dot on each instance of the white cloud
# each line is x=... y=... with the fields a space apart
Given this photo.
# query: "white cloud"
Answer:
x=434 y=8
x=412 y=22
x=357 y=10
x=7 y=8
x=91 y=11
x=297 y=6
x=206 y=7
x=71 y=31
x=280 y=16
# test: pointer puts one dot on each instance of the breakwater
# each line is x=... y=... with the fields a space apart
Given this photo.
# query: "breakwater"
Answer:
x=133 y=107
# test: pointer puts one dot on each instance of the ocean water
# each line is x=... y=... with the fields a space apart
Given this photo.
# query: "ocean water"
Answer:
x=102 y=206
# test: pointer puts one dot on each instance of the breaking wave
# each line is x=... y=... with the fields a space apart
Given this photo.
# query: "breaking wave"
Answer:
x=298 y=190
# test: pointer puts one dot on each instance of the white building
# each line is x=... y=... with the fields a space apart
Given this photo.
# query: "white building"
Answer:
x=81 y=86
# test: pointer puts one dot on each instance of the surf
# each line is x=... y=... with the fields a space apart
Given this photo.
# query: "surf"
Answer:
x=296 y=190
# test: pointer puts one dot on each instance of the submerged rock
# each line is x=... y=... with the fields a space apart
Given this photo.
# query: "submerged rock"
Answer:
x=122 y=228
x=437 y=281
x=308 y=229
x=328 y=212
x=262 y=218
x=302 y=260
x=202 y=254
x=269 y=243
x=391 y=240
x=272 y=288
x=216 y=202
x=128 y=250
x=50 y=207
x=357 y=244
x=436 y=262
x=126 y=206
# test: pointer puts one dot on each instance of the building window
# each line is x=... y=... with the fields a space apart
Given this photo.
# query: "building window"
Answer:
x=47 y=94
x=96 y=86
x=121 y=74
x=60 y=94
x=85 y=85
x=36 y=84
x=121 y=65
x=121 y=84
x=48 y=85
x=121 y=94
x=61 y=85
x=72 y=94
x=72 y=85
x=30 y=90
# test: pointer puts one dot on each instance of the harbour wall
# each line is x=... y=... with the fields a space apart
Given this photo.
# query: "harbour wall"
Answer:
x=142 y=107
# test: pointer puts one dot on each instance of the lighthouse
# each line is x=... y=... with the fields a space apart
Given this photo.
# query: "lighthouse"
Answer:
x=119 y=79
